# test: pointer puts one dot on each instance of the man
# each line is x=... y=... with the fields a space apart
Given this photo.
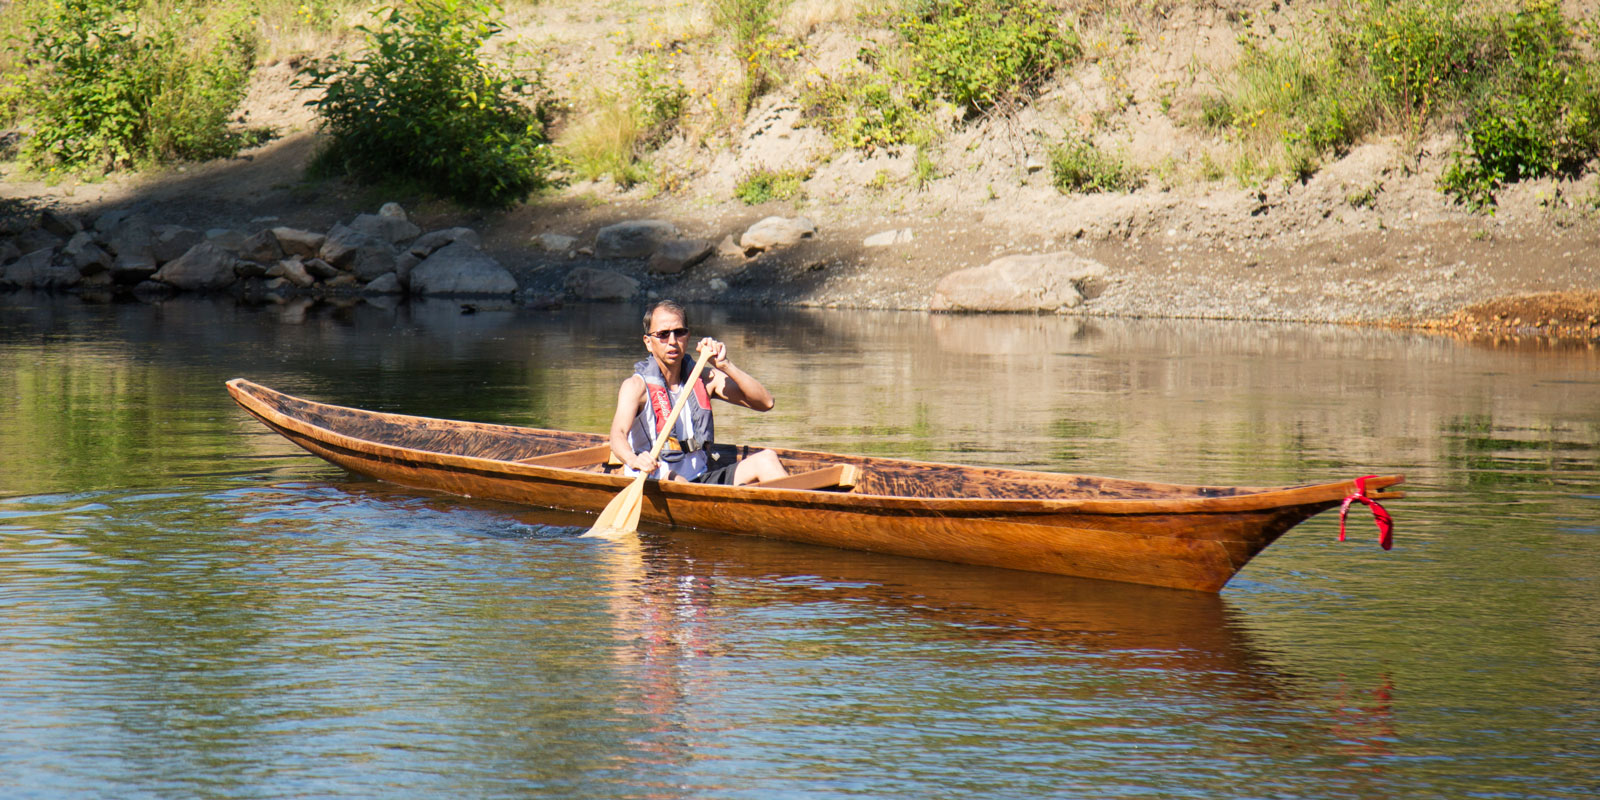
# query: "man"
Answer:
x=647 y=398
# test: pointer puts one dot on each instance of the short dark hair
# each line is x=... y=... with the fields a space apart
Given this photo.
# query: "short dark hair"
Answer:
x=664 y=303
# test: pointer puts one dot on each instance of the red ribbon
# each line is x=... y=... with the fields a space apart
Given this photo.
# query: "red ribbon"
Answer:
x=1379 y=514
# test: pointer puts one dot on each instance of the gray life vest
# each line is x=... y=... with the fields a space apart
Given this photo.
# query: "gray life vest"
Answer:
x=694 y=429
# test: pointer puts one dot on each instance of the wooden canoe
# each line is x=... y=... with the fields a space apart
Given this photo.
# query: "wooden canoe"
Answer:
x=1183 y=537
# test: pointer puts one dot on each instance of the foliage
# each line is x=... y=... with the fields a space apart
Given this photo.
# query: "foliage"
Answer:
x=619 y=126
x=751 y=28
x=761 y=185
x=420 y=105
x=1527 y=96
x=977 y=53
x=107 y=90
x=1077 y=165
x=971 y=54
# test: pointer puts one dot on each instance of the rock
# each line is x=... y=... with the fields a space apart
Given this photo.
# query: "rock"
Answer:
x=678 y=255
x=296 y=242
x=888 y=238
x=25 y=272
x=39 y=239
x=152 y=291
x=293 y=270
x=262 y=248
x=555 y=242
x=63 y=225
x=388 y=229
x=9 y=252
x=404 y=264
x=168 y=242
x=85 y=255
x=365 y=255
x=206 y=267
x=717 y=285
x=728 y=248
x=388 y=283
x=132 y=242
x=588 y=283
x=429 y=242
x=460 y=268
x=1045 y=282
x=56 y=277
x=111 y=220
x=392 y=210
x=636 y=238
x=251 y=269
x=345 y=280
x=776 y=232
x=228 y=239
x=320 y=269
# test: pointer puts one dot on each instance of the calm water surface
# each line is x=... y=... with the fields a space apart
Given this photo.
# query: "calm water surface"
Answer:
x=193 y=608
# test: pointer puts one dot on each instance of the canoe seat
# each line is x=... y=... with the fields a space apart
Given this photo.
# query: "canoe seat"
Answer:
x=841 y=477
x=581 y=458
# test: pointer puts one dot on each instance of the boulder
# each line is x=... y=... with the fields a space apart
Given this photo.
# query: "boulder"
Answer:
x=555 y=242
x=384 y=284
x=728 y=248
x=38 y=239
x=206 y=267
x=9 y=252
x=292 y=270
x=26 y=271
x=345 y=280
x=111 y=220
x=1045 y=282
x=776 y=232
x=351 y=250
x=57 y=276
x=132 y=241
x=262 y=248
x=251 y=269
x=588 y=283
x=460 y=268
x=386 y=228
x=429 y=242
x=85 y=255
x=889 y=238
x=636 y=238
x=168 y=242
x=63 y=225
x=320 y=269
x=404 y=264
x=235 y=242
x=296 y=242
x=678 y=255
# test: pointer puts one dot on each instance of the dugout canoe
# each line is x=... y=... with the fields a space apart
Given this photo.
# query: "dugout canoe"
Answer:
x=1182 y=537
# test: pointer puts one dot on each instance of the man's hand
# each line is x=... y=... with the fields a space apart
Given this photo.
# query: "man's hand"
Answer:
x=719 y=352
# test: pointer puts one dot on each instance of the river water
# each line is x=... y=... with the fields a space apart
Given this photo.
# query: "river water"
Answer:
x=194 y=608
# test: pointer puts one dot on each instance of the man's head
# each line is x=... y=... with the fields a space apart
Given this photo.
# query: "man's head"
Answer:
x=666 y=331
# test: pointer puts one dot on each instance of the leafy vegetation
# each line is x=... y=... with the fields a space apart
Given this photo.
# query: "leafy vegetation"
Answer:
x=1517 y=78
x=619 y=127
x=974 y=55
x=421 y=105
x=106 y=86
x=762 y=185
x=1077 y=165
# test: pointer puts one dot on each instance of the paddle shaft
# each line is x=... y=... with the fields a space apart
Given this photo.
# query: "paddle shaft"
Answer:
x=621 y=516
x=677 y=408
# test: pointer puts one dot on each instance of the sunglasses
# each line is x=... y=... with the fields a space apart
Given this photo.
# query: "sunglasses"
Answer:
x=662 y=336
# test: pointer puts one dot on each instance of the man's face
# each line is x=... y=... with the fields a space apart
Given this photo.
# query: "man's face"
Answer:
x=668 y=323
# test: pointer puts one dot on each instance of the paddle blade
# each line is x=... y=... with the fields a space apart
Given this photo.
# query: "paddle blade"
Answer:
x=620 y=516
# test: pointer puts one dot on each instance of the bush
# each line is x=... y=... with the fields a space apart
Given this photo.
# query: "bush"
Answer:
x=1077 y=165
x=762 y=185
x=420 y=106
x=973 y=54
x=104 y=93
x=618 y=127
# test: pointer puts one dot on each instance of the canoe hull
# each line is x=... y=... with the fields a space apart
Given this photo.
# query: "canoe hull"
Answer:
x=1195 y=543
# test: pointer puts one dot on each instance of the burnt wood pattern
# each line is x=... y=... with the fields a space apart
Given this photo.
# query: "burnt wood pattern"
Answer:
x=1184 y=537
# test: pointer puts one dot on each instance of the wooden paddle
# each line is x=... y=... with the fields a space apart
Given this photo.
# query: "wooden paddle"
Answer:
x=621 y=516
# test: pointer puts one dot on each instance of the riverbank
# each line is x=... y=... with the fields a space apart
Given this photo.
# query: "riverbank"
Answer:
x=1368 y=238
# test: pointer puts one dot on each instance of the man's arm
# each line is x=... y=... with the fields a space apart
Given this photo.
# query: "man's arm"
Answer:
x=735 y=385
x=630 y=398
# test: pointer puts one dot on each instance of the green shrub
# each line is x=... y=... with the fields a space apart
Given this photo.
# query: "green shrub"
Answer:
x=105 y=93
x=972 y=54
x=977 y=53
x=619 y=126
x=1077 y=165
x=761 y=185
x=420 y=106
